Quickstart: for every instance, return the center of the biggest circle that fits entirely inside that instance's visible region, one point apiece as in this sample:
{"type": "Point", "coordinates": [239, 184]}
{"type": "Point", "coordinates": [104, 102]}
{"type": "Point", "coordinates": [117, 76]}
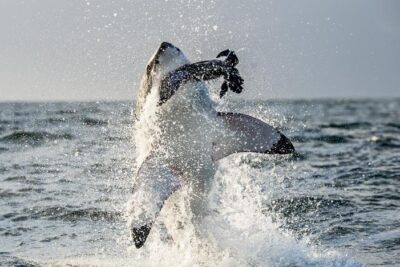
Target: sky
{"type": "Point", "coordinates": [54, 50]}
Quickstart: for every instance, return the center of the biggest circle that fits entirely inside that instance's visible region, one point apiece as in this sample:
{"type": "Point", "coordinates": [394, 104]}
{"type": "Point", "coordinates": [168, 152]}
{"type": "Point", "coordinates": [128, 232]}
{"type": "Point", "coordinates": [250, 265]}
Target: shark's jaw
{"type": "Point", "coordinates": [165, 59]}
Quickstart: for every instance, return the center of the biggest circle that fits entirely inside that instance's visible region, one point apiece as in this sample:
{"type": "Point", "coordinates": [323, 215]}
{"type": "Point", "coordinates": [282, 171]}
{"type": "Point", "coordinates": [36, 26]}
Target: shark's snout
{"type": "Point", "coordinates": [165, 45]}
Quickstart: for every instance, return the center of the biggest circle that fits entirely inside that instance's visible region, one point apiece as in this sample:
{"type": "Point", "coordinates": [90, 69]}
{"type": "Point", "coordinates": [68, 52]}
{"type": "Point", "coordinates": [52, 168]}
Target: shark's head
{"type": "Point", "coordinates": [166, 59]}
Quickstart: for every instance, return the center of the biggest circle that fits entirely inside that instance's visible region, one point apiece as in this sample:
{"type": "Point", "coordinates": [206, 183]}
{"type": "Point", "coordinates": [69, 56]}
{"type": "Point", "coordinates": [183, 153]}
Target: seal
{"type": "Point", "coordinates": [180, 136]}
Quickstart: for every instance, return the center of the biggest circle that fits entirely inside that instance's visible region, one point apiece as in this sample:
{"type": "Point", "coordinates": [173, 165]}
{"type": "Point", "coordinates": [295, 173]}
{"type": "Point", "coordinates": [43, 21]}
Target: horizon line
{"type": "Point", "coordinates": [233, 99]}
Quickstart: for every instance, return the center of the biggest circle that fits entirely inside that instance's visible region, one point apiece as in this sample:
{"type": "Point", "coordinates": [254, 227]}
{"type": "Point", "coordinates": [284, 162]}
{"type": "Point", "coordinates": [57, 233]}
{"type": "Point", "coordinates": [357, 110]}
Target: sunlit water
{"type": "Point", "coordinates": [66, 171]}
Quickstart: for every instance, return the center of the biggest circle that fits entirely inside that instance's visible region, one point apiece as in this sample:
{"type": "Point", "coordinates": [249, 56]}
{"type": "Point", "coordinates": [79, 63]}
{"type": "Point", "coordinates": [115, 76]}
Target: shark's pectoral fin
{"type": "Point", "coordinates": [139, 234]}
{"type": "Point", "coordinates": [154, 183]}
{"type": "Point", "coordinates": [248, 134]}
{"type": "Point", "coordinates": [283, 146]}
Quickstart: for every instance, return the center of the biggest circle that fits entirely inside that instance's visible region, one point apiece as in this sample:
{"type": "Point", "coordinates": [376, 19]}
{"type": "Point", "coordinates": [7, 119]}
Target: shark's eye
{"type": "Point", "coordinates": [157, 62]}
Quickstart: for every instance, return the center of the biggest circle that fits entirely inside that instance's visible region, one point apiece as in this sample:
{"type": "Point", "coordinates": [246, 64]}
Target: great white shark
{"type": "Point", "coordinates": [180, 136]}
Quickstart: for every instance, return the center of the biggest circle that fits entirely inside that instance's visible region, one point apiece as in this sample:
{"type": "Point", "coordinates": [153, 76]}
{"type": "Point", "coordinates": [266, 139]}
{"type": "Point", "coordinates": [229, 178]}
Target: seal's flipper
{"type": "Point", "coordinates": [231, 58]}
{"type": "Point", "coordinates": [155, 182]}
{"type": "Point", "coordinates": [224, 89]}
{"type": "Point", "coordinates": [248, 134]}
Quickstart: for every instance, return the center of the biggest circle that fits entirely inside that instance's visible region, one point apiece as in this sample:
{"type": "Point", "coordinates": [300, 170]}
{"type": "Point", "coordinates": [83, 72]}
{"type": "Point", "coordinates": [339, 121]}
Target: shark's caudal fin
{"type": "Point", "coordinates": [154, 183]}
{"type": "Point", "coordinates": [248, 134]}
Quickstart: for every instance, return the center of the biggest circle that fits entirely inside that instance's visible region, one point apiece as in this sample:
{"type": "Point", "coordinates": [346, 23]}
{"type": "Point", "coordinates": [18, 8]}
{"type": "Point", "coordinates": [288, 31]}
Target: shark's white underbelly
{"type": "Point", "coordinates": [187, 124]}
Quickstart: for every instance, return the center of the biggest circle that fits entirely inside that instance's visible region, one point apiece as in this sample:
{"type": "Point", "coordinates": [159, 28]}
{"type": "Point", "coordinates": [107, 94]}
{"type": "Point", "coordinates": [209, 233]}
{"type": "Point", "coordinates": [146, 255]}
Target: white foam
{"type": "Point", "coordinates": [235, 233]}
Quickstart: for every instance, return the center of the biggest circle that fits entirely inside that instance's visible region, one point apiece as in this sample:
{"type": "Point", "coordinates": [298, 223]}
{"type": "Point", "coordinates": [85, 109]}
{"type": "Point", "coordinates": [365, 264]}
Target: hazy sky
{"type": "Point", "coordinates": [69, 50]}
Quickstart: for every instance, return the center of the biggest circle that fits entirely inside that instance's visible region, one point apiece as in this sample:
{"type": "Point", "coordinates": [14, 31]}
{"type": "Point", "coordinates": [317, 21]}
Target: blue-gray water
{"type": "Point", "coordinates": [66, 170]}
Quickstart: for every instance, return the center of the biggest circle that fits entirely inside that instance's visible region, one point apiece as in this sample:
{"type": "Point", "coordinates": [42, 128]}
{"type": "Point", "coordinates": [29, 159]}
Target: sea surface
{"type": "Point", "coordinates": [66, 172]}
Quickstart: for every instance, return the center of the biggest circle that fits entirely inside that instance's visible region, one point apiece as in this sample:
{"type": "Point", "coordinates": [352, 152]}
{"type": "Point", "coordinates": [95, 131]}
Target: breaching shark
{"type": "Point", "coordinates": [180, 136]}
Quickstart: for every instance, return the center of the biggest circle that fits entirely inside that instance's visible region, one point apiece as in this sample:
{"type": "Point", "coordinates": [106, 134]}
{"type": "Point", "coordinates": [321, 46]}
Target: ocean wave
{"type": "Point", "coordinates": [7, 193]}
{"type": "Point", "coordinates": [11, 261]}
{"type": "Point", "coordinates": [33, 137]}
{"type": "Point", "coordinates": [301, 205]}
{"type": "Point", "coordinates": [83, 120]}
{"type": "Point", "coordinates": [347, 126]}
{"type": "Point", "coordinates": [93, 122]}
{"type": "Point", "coordinates": [7, 122]}
{"type": "Point", "coordinates": [385, 142]}
{"type": "Point", "coordinates": [57, 120]}
{"type": "Point", "coordinates": [391, 244]}
{"type": "Point", "coordinates": [31, 189]}
{"type": "Point", "coordinates": [65, 111]}
{"type": "Point", "coordinates": [15, 179]}
{"type": "Point", "coordinates": [8, 215]}
{"type": "Point", "coordinates": [393, 125]}
{"type": "Point", "coordinates": [72, 214]}
{"type": "Point", "coordinates": [337, 230]}
{"type": "Point", "coordinates": [330, 139]}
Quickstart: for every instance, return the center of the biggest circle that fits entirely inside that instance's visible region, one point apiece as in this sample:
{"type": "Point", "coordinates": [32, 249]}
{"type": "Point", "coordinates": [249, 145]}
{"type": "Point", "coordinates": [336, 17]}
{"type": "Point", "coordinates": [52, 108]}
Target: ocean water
{"type": "Point", "coordinates": [66, 172]}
